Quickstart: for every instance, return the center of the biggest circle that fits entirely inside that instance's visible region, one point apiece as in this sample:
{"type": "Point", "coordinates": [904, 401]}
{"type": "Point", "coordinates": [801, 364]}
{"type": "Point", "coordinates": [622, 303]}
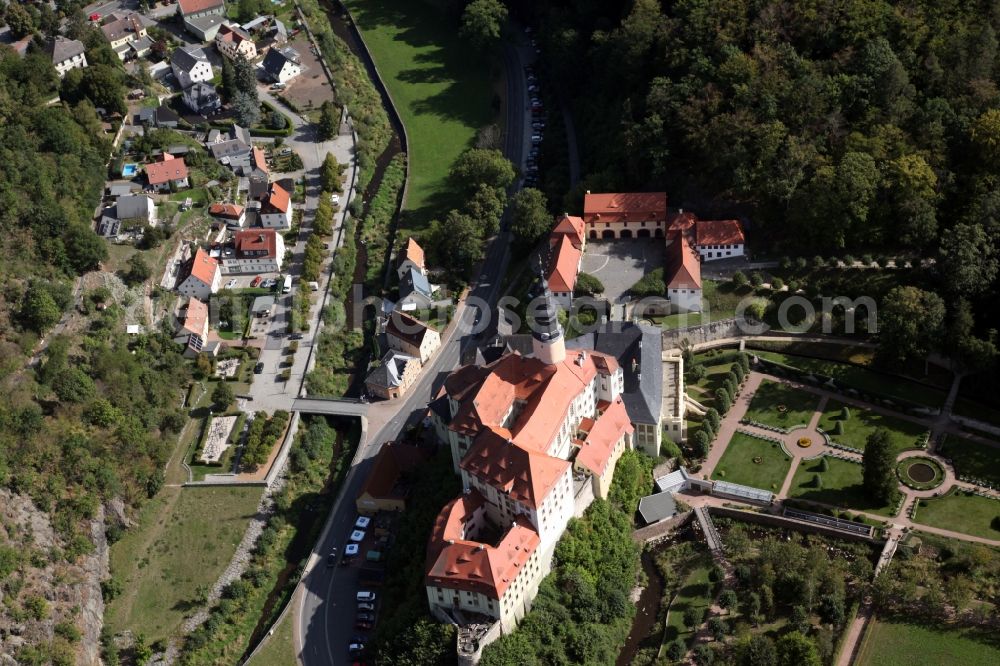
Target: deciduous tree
{"type": "Point", "coordinates": [482, 21]}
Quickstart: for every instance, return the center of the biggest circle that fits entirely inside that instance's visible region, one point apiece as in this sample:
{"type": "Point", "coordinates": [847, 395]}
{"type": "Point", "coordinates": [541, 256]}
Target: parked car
{"type": "Point", "coordinates": [231, 284]}
{"type": "Point", "coordinates": [331, 559]}
{"type": "Point", "coordinates": [295, 336]}
{"type": "Point", "coordinates": [278, 86]}
{"type": "Point", "coordinates": [365, 606]}
{"type": "Point", "coordinates": [254, 282]}
{"type": "Point", "coordinates": [95, 17]}
{"type": "Point", "coordinates": [365, 595]}
{"type": "Point", "coordinates": [357, 535]}
{"type": "Point", "coordinates": [536, 138]}
{"type": "Point", "coordinates": [363, 625]}
{"type": "Point", "coordinates": [335, 199]}
{"type": "Point", "coordinates": [355, 649]}
{"type": "Point", "coordinates": [258, 369]}
{"type": "Point", "coordinates": [362, 522]}
{"type": "Point", "coordinates": [268, 283]}
{"type": "Point", "coordinates": [365, 617]}
{"type": "Point", "coordinates": [351, 549]}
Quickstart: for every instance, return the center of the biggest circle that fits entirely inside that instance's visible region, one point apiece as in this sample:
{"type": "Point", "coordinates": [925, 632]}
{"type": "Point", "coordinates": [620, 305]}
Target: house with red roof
{"type": "Point", "coordinates": [276, 208]}
{"type": "Point", "coordinates": [232, 215]}
{"type": "Point", "coordinates": [615, 215]}
{"type": "Point", "coordinates": [412, 257]}
{"type": "Point", "coordinates": [535, 439]}
{"type": "Point", "coordinates": [409, 335]}
{"type": "Point", "coordinates": [168, 171]}
{"type": "Point", "coordinates": [683, 274]}
{"type": "Point", "coordinates": [719, 239]}
{"type": "Point", "coordinates": [234, 42]}
{"type": "Point", "coordinates": [564, 267]}
{"type": "Point", "coordinates": [254, 251]}
{"type": "Point", "coordinates": [201, 276]}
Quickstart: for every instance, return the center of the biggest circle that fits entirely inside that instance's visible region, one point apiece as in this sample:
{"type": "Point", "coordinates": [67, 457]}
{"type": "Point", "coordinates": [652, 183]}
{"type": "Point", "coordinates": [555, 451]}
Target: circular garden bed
{"type": "Point", "coordinates": [920, 473]}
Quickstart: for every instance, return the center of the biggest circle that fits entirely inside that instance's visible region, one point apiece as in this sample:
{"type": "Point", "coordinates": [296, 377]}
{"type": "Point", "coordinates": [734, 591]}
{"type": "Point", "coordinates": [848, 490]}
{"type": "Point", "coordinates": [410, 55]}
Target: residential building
{"type": "Point", "coordinates": [190, 65]}
{"type": "Point", "coordinates": [282, 65]}
{"type": "Point", "coordinates": [139, 48]}
{"type": "Point", "coordinates": [67, 54]}
{"type": "Point", "coordinates": [411, 336]}
{"type": "Point", "coordinates": [202, 18]}
{"type": "Point", "coordinates": [412, 257]}
{"type": "Point", "coordinates": [564, 267]}
{"type": "Point", "coordinates": [535, 440]}
{"type": "Point", "coordinates": [258, 174]}
{"type": "Point", "coordinates": [625, 215]}
{"type": "Point", "coordinates": [120, 31]}
{"type": "Point", "coordinates": [202, 98]}
{"type": "Point", "coordinates": [268, 31]}
{"type": "Point", "coordinates": [394, 374]}
{"type": "Point", "coordinates": [234, 144]}
{"type": "Point", "coordinates": [719, 239]}
{"type": "Point", "coordinates": [234, 42]}
{"type": "Point", "coordinates": [276, 208]}
{"type": "Point", "coordinates": [161, 116]}
{"type": "Point", "coordinates": [201, 276]}
{"type": "Point", "coordinates": [683, 274]}
{"type": "Point", "coordinates": [168, 172]}
{"type": "Point", "coordinates": [649, 392]}
{"type": "Point", "coordinates": [138, 207]}
{"type": "Point", "coordinates": [194, 321]}
{"type": "Point", "coordinates": [571, 227]}
{"type": "Point", "coordinates": [254, 251]}
{"type": "Point", "coordinates": [415, 291]}
{"type": "Point", "coordinates": [232, 215]}
{"type": "Point", "coordinates": [387, 487]}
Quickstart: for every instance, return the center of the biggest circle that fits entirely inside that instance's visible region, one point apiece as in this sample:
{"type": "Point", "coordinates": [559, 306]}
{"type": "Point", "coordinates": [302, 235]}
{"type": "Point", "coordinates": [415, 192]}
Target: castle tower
{"type": "Point", "coordinates": [547, 341]}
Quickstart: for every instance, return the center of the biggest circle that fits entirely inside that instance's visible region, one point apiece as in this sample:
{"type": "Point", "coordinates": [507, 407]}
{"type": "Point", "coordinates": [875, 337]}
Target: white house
{"type": "Point", "coordinates": [135, 207]}
{"type": "Point", "coordinates": [412, 257]}
{"type": "Point", "coordinates": [232, 215]}
{"type": "Point", "coordinates": [719, 239]}
{"type": "Point", "coordinates": [683, 274]}
{"type": "Point", "coordinates": [411, 336]}
{"type": "Point", "coordinates": [67, 54]}
{"type": "Point", "coordinates": [202, 98]}
{"type": "Point", "coordinates": [282, 65]}
{"type": "Point", "coordinates": [234, 42]}
{"type": "Point", "coordinates": [168, 171]}
{"type": "Point", "coordinates": [201, 277]}
{"type": "Point", "coordinates": [121, 31]}
{"type": "Point", "coordinates": [276, 208]}
{"type": "Point", "coordinates": [190, 66]}
{"type": "Point", "coordinates": [254, 251]}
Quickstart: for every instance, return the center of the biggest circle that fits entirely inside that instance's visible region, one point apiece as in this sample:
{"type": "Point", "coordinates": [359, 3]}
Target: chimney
{"type": "Point", "coordinates": [451, 542]}
{"type": "Point", "coordinates": [680, 211]}
{"type": "Point", "coordinates": [588, 191]}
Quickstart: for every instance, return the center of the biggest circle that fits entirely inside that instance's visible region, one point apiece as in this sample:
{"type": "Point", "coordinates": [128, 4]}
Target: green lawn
{"type": "Point", "coordinates": [972, 459]}
{"type": "Point", "coordinates": [737, 464]}
{"type": "Point", "coordinates": [841, 486]}
{"type": "Point", "coordinates": [888, 643]}
{"type": "Point", "coordinates": [863, 422]}
{"type": "Point", "coordinates": [969, 514]}
{"type": "Point", "coordinates": [442, 90]}
{"type": "Point", "coordinates": [703, 390]}
{"type": "Point", "coordinates": [864, 379]}
{"type": "Point", "coordinates": [184, 540]}
{"type": "Point", "coordinates": [695, 591]}
{"type": "Point", "coordinates": [280, 650]}
{"type": "Point", "coordinates": [976, 410]}
{"type": "Point", "coordinates": [799, 405]}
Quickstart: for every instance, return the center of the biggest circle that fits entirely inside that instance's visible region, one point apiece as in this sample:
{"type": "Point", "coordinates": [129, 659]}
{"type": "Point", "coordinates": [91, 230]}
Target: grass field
{"type": "Point", "coordinates": [695, 591]}
{"type": "Point", "coordinates": [863, 422]}
{"type": "Point", "coordinates": [440, 87]}
{"type": "Point", "coordinates": [737, 464]}
{"type": "Point", "coordinates": [280, 649]}
{"type": "Point", "coordinates": [864, 379]}
{"type": "Point", "coordinates": [841, 486]}
{"type": "Point", "coordinates": [897, 644]}
{"type": "Point", "coordinates": [799, 405]}
{"type": "Point", "coordinates": [969, 514]}
{"type": "Point", "coordinates": [719, 300]}
{"type": "Point", "coordinates": [185, 538]}
{"type": "Point", "coordinates": [972, 459]}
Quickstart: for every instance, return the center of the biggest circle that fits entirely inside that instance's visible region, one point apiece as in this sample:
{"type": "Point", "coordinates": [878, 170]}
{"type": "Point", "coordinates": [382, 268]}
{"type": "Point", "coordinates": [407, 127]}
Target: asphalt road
{"type": "Point", "coordinates": [327, 605]}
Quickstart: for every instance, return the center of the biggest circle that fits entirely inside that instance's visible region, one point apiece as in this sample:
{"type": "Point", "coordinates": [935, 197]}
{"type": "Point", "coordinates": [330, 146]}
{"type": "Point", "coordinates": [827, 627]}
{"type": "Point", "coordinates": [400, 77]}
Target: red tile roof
{"type": "Point", "coordinates": [195, 317]}
{"type": "Point", "coordinates": [226, 210]}
{"type": "Point", "coordinates": [602, 436]}
{"type": "Point", "coordinates": [394, 459]}
{"type": "Point", "coordinates": [256, 243]}
{"type": "Point", "coordinates": [681, 221]}
{"type": "Point", "coordinates": [193, 6]}
{"type": "Point", "coordinates": [455, 561]}
{"type": "Point", "coordinates": [414, 253]}
{"type": "Point", "coordinates": [203, 266]}
{"type": "Point", "coordinates": [683, 264]}
{"type": "Point", "coordinates": [167, 169]}
{"type": "Point", "coordinates": [408, 329]}
{"type": "Point", "coordinates": [258, 159]}
{"type": "Point", "coordinates": [522, 474]}
{"type": "Point", "coordinates": [718, 232]}
{"type": "Point", "coordinates": [564, 266]}
{"type": "Point", "coordinates": [276, 200]}
{"type": "Point", "coordinates": [571, 226]}
{"type": "Point", "coordinates": [620, 206]}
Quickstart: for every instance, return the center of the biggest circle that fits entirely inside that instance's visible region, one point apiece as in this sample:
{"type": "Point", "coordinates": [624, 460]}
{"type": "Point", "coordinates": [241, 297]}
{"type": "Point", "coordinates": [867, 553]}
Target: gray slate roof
{"type": "Point", "coordinates": [186, 59]}
{"type": "Point", "coordinates": [654, 508]}
{"type": "Point", "coordinates": [63, 49]}
{"type": "Point", "coordinates": [276, 59]}
{"type": "Point", "coordinates": [414, 280]}
{"type": "Point", "coordinates": [639, 350]}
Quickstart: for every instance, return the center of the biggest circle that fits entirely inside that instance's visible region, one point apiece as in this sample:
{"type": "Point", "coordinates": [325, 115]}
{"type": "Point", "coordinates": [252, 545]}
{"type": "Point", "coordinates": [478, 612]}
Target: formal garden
{"type": "Point", "coordinates": [752, 461]}
{"type": "Point", "coordinates": [851, 426]}
{"type": "Point", "coordinates": [920, 473]}
{"type": "Point", "coordinates": [961, 511]}
{"type": "Point", "coordinates": [781, 406]}
{"type": "Point", "coordinates": [972, 460]}
{"type": "Point", "coordinates": [836, 482]}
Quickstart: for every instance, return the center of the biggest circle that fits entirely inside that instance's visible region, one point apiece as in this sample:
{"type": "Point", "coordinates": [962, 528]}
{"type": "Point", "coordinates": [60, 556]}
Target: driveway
{"type": "Point", "coordinates": [619, 264]}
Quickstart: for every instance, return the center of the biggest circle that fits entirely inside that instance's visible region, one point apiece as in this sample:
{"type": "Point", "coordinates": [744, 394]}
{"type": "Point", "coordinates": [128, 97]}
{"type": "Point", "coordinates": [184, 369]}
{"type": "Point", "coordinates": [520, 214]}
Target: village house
{"type": "Point", "coordinates": [282, 65]}
{"type": "Point", "coordinates": [415, 291]}
{"type": "Point", "coordinates": [194, 321]}
{"type": "Point", "coordinates": [411, 336]}
{"type": "Point", "coordinates": [412, 258]}
{"type": "Point", "coordinates": [625, 215]}
{"type": "Point", "coordinates": [276, 208]}
{"type": "Point", "coordinates": [388, 484]}
{"type": "Point", "coordinates": [535, 439]}
{"type": "Point", "coordinates": [232, 215]}
{"type": "Point", "coordinates": [190, 66]}
{"type": "Point", "coordinates": [394, 374]}
{"type": "Point", "coordinates": [683, 274]}
{"type": "Point", "coordinates": [254, 251]}
{"type": "Point", "coordinates": [232, 144]}
{"type": "Point", "coordinates": [67, 54]}
{"type": "Point", "coordinates": [202, 98]}
{"type": "Point", "coordinates": [131, 207]}
{"type": "Point", "coordinates": [120, 31]}
{"type": "Point", "coordinates": [201, 276]}
{"type": "Point", "coordinates": [234, 42]}
{"type": "Point", "coordinates": [202, 18]}
{"type": "Point", "coordinates": [168, 172]}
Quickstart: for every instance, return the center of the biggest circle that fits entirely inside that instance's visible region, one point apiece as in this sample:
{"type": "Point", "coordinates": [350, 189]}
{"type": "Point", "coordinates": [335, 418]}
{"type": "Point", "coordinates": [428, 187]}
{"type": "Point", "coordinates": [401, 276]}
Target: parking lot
{"type": "Point", "coordinates": [619, 264]}
{"type": "Point", "coordinates": [310, 88]}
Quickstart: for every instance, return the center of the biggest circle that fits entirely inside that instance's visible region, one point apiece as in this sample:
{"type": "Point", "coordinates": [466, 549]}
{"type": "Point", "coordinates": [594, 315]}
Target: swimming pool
{"type": "Point", "coordinates": [130, 169]}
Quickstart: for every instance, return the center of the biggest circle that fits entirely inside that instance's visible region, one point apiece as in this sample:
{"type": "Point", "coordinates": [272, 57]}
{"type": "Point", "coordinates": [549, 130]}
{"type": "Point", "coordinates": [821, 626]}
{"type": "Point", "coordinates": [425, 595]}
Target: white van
{"type": "Point", "coordinates": [314, 286]}
{"type": "Point", "coordinates": [286, 286]}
